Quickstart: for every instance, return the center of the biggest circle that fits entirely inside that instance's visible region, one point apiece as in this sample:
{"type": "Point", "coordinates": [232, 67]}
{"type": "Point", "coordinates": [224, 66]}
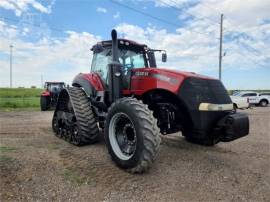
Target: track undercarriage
{"type": "Point", "coordinates": [73, 119]}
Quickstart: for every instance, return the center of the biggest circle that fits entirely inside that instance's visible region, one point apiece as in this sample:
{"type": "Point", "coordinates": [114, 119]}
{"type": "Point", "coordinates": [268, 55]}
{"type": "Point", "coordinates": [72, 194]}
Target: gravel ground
{"type": "Point", "coordinates": [37, 166]}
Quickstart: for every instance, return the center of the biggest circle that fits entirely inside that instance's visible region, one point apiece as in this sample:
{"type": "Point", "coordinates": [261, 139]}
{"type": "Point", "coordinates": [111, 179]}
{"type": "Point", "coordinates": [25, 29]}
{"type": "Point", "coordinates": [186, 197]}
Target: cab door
{"type": "Point", "coordinates": [130, 60]}
{"type": "Point", "coordinates": [100, 63]}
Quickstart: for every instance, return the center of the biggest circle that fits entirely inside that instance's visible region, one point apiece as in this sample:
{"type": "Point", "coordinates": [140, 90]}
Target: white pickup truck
{"type": "Point", "coordinates": [254, 98]}
{"type": "Point", "coordinates": [239, 102]}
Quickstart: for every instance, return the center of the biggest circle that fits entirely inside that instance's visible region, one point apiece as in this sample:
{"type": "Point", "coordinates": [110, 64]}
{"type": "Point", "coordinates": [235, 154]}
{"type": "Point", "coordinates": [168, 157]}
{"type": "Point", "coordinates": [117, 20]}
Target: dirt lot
{"type": "Point", "coordinates": [35, 165]}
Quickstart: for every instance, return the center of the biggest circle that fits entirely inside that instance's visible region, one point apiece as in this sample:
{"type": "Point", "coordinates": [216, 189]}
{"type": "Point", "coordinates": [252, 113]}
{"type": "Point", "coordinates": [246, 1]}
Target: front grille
{"type": "Point", "coordinates": [194, 91]}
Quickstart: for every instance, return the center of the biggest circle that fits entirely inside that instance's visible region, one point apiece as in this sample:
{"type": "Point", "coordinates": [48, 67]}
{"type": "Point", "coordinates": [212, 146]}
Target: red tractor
{"type": "Point", "coordinates": [49, 96]}
{"type": "Point", "coordinates": [133, 102]}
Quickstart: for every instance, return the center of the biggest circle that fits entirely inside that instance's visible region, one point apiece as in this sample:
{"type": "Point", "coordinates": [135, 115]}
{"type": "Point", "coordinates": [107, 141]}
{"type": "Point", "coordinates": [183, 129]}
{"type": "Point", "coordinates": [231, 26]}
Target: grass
{"type": "Point", "coordinates": [5, 160]}
{"type": "Point", "coordinates": [4, 149]}
{"type": "Point", "coordinates": [19, 92]}
{"type": "Point", "coordinates": [28, 102]}
{"type": "Point", "coordinates": [18, 98]}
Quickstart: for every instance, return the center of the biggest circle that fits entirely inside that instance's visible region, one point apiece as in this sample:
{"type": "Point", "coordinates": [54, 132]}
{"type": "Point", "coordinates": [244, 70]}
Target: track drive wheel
{"type": "Point", "coordinates": [73, 118]}
{"type": "Point", "coordinates": [132, 135]}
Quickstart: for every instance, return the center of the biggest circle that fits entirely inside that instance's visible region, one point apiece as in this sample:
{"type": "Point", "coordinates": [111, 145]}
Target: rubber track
{"type": "Point", "coordinates": [85, 120]}
{"type": "Point", "coordinates": [150, 131]}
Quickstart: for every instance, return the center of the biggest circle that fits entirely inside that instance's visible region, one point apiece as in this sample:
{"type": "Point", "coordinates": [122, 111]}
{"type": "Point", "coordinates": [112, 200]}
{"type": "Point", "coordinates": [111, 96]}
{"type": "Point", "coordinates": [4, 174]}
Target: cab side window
{"type": "Point", "coordinates": [249, 95]}
{"type": "Point", "coordinates": [100, 62]}
{"type": "Point", "coordinates": [267, 94]}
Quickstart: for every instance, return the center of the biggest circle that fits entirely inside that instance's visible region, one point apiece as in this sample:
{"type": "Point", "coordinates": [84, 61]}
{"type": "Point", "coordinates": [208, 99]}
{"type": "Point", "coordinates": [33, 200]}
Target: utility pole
{"type": "Point", "coordinates": [10, 46]}
{"type": "Point", "coordinates": [220, 46]}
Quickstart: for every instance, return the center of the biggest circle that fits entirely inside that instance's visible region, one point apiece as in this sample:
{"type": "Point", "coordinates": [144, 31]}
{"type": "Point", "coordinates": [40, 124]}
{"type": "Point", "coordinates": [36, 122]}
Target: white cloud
{"type": "Point", "coordinates": [62, 59]}
{"type": "Point", "coordinates": [116, 16]}
{"type": "Point", "coordinates": [101, 10]}
{"type": "Point", "coordinates": [237, 13]}
{"type": "Point", "coordinates": [246, 25]}
{"type": "Point", "coordinates": [191, 51]}
{"type": "Point", "coordinates": [168, 3]}
{"type": "Point", "coordinates": [20, 6]}
{"type": "Point", "coordinates": [57, 59]}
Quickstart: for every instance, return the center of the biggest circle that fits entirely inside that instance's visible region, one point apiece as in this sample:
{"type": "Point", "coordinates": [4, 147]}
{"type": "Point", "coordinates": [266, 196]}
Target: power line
{"type": "Point", "coordinates": [248, 58]}
{"type": "Point", "coordinates": [156, 18]}
{"type": "Point", "coordinates": [255, 52]}
{"type": "Point", "coordinates": [210, 7]}
{"type": "Point", "coordinates": [199, 18]}
{"type": "Point", "coordinates": [32, 24]}
{"type": "Point", "coordinates": [226, 30]}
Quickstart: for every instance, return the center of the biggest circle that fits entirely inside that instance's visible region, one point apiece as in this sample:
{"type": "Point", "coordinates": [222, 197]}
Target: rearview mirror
{"type": "Point", "coordinates": [98, 48]}
{"type": "Point", "coordinates": [164, 57]}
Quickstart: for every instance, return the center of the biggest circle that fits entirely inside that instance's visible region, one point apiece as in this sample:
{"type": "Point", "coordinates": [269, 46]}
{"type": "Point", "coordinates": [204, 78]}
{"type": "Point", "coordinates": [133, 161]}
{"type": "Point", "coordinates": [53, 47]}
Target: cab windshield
{"type": "Point", "coordinates": [129, 59]}
{"type": "Point", "coordinates": [54, 87]}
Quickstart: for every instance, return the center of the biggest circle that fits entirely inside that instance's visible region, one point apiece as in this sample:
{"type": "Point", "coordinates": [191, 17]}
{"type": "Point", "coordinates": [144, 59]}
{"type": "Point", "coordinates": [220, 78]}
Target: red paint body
{"type": "Point", "coordinates": [95, 80]}
{"type": "Point", "coordinates": [143, 84]}
{"type": "Point", "coordinates": [45, 93]}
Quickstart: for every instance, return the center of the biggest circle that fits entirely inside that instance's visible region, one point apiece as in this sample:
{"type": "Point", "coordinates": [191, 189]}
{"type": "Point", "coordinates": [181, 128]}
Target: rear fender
{"type": "Point", "coordinates": [91, 83]}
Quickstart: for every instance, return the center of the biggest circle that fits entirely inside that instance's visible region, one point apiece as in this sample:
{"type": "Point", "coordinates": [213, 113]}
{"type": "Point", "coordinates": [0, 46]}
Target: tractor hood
{"type": "Point", "coordinates": [177, 73]}
{"type": "Point", "coordinates": [146, 79]}
{"type": "Point", "coordinates": [173, 76]}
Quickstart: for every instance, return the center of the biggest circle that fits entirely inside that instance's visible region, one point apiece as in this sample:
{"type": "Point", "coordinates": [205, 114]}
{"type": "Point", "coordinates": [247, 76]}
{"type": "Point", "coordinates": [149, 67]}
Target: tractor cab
{"type": "Point", "coordinates": [54, 87]}
{"type": "Point", "coordinates": [49, 96]}
{"type": "Point", "coordinates": [131, 55]}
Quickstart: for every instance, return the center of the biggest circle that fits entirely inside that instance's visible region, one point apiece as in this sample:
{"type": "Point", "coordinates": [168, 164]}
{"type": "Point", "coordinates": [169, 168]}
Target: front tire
{"type": "Point", "coordinates": [263, 103]}
{"type": "Point", "coordinates": [235, 107]}
{"type": "Point", "coordinates": [44, 103]}
{"type": "Point", "coordinates": [132, 135]}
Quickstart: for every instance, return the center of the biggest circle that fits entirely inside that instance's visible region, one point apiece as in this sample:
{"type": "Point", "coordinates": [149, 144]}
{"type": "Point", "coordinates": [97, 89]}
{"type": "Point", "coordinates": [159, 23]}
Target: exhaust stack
{"type": "Point", "coordinates": [115, 73]}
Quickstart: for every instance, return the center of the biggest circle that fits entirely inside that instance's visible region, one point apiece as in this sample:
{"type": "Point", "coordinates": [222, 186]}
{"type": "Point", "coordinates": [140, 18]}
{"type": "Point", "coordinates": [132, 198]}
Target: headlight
{"type": "Point", "coordinates": [215, 107]}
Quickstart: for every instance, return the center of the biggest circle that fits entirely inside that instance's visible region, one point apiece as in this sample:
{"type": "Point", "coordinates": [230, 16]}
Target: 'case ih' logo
{"type": "Point", "coordinates": [141, 73]}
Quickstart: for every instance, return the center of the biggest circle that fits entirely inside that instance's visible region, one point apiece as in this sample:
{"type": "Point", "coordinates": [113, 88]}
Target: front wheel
{"type": "Point", "coordinates": [132, 135]}
{"type": "Point", "coordinates": [235, 107]}
{"type": "Point", "coordinates": [263, 103]}
{"type": "Point", "coordinates": [44, 103]}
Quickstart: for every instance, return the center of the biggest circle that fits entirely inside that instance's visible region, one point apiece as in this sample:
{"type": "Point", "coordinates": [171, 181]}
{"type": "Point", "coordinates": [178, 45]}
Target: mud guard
{"type": "Point", "coordinates": [81, 81]}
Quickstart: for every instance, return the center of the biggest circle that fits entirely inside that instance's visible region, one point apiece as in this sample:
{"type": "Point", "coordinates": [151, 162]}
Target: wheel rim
{"type": "Point", "coordinates": [122, 136]}
{"type": "Point", "coordinates": [264, 103]}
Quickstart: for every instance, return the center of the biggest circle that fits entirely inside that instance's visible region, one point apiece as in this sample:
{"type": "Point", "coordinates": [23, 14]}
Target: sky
{"type": "Point", "coordinates": [51, 39]}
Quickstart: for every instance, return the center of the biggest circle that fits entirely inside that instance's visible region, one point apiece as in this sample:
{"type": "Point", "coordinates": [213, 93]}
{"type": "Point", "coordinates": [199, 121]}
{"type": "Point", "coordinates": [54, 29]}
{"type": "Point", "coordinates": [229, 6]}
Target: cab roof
{"type": "Point", "coordinates": [121, 42]}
